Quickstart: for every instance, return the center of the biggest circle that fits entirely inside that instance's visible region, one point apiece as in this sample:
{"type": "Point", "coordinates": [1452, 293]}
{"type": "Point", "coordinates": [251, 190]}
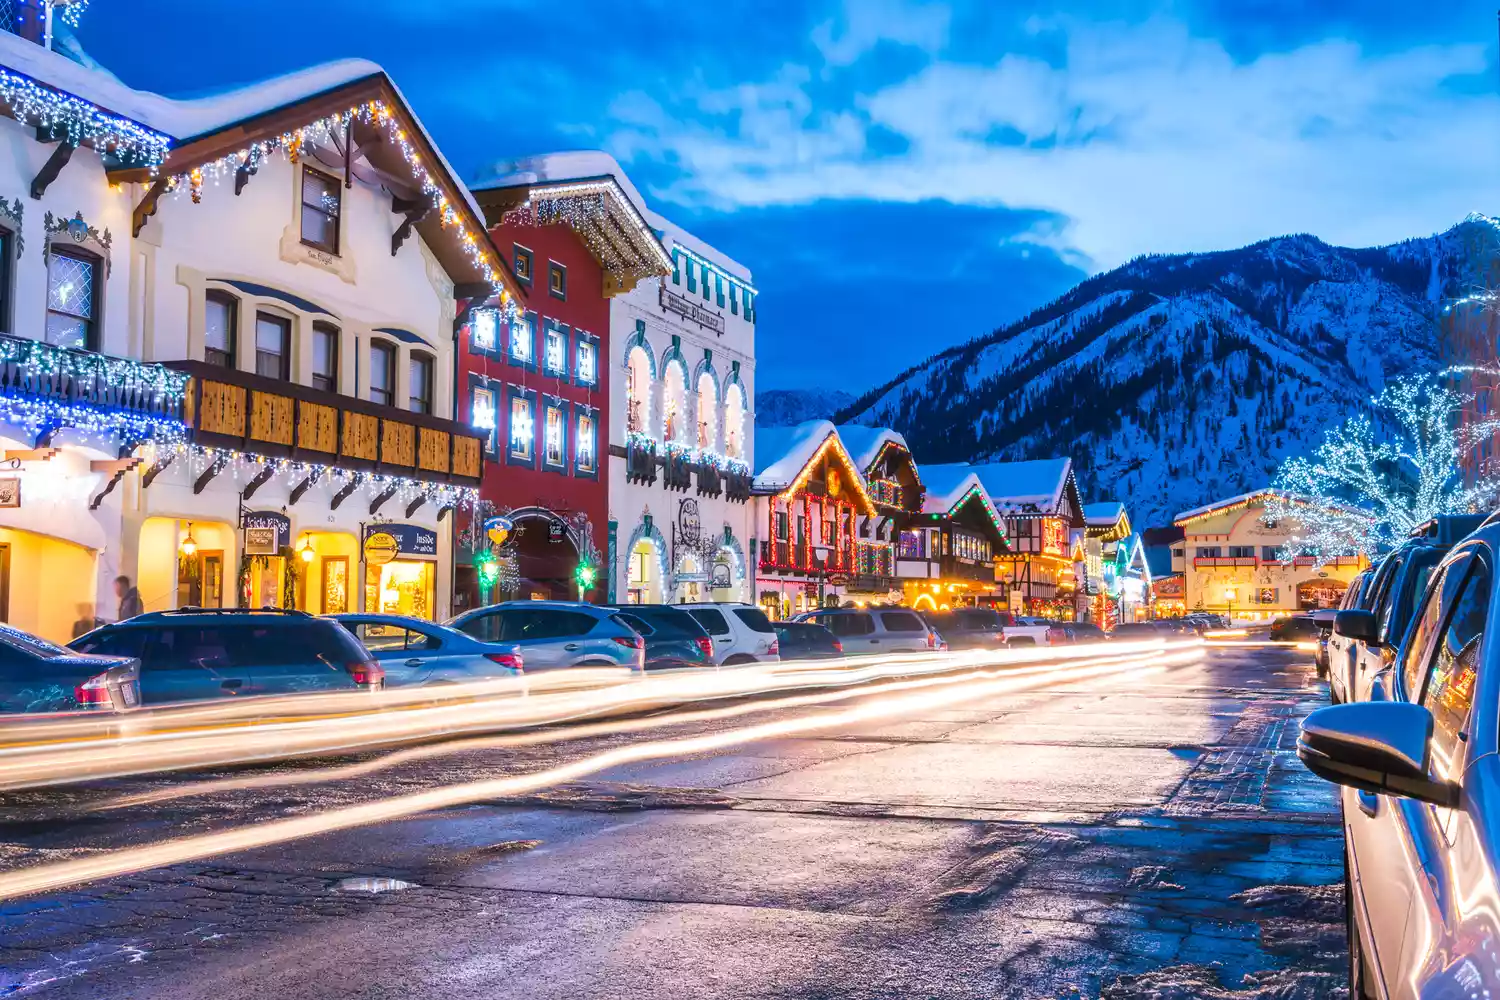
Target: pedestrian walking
{"type": "Point", "coordinates": [130, 598]}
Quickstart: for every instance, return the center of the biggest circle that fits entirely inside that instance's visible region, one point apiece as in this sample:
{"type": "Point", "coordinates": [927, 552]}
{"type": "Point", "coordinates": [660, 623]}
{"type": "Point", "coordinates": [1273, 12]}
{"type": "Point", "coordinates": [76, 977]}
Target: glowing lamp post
{"type": "Point", "coordinates": [1229, 596]}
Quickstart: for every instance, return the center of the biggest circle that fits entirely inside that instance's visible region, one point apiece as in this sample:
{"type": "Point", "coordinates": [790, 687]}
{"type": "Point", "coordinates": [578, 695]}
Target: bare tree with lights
{"type": "Point", "coordinates": [1383, 473]}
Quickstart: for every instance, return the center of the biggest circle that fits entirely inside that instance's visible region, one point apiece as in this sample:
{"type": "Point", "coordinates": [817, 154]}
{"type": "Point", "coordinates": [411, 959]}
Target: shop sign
{"type": "Point", "coordinates": [691, 311]}
{"type": "Point", "coordinates": [400, 540]}
{"type": "Point", "coordinates": [1170, 586]}
{"type": "Point", "coordinates": [556, 531]}
{"type": "Point", "coordinates": [266, 532]}
{"type": "Point", "coordinates": [838, 580]}
{"type": "Point", "coordinates": [10, 492]}
{"type": "Point", "coordinates": [720, 576]}
{"type": "Point", "coordinates": [498, 529]}
{"type": "Point", "coordinates": [1266, 595]}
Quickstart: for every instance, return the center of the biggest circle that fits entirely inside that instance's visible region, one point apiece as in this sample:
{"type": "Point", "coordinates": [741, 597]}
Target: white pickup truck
{"type": "Point", "coordinates": [1021, 630]}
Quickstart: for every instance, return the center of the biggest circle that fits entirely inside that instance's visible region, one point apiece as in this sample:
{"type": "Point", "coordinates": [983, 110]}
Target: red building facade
{"type": "Point", "coordinates": [535, 383]}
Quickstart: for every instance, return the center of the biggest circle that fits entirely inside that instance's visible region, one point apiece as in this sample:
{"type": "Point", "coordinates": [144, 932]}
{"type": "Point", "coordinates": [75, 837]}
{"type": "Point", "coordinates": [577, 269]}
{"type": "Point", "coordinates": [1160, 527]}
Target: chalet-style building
{"type": "Point", "coordinates": [540, 386]}
{"type": "Point", "coordinates": [1039, 501]}
{"type": "Point", "coordinates": [809, 494]}
{"type": "Point", "coordinates": [228, 367]}
{"type": "Point", "coordinates": [1106, 525]}
{"type": "Point", "coordinates": [948, 556]}
{"type": "Point", "coordinates": [896, 490]}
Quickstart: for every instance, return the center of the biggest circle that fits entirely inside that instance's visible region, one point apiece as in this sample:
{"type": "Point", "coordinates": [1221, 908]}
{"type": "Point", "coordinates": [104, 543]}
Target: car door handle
{"type": "Point", "coordinates": [1369, 803]}
{"type": "Point", "coordinates": [231, 685]}
{"type": "Point", "coordinates": [572, 647]}
{"type": "Point", "coordinates": [874, 640]}
{"type": "Point", "coordinates": [415, 663]}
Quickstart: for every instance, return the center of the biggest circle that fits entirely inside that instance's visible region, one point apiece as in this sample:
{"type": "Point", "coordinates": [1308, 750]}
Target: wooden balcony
{"type": "Point", "coordinates": [640, 461]}
{"type": "Point", "coordinates": [34, 370]}
{"type": "Point", "coordinates": [710, 479]}
{"type": "Point", "coordinates": [677, 471]}
{"type": "Point", "coordinates": [240, 410]}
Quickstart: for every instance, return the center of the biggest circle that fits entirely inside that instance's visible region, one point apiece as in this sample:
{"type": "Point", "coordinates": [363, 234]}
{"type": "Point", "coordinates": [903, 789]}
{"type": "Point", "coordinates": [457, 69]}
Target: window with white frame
{"type": "Point", "coordinates": [483, 415]}
{"type": "Point", "coordinates": [637, 391]}
{"type": "Point", "coordinates": [521, 449]}
{"type": "Point", "coordinates": [273, 346]}
{"type": "Point", "coordinates": [484, 331]}
{"type": "Point", "coordinates": [734, 421]}
{"type": "Point", "coordinates": [522, 341]}
{"type": "Point", "coordinates": [72, 299]}
{"type": "Point", "coordinates": [555, 435]}
{"type": "Point", "coordinates": [587, 361]}
{"type": "Point", "coordinates": [586, 442]}
{"type": "Point", "coordinates": [555, 351]}
{"type": "Point", "coordinates": [321, 201]}
{"type": "Point", "coordinates": [708, 401]}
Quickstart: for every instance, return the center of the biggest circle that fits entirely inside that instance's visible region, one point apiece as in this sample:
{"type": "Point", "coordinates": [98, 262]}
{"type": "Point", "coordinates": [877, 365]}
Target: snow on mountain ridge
{"type": "Point", "coordinates": [1175, 380]}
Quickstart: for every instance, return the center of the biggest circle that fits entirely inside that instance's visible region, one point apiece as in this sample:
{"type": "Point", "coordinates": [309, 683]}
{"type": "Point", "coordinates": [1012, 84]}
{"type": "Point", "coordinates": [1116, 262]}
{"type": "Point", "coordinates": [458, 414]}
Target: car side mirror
{"type": "Point", "coordinates": [1375, 746]}
{"type": "Point", "coordinates": [1360, 625]}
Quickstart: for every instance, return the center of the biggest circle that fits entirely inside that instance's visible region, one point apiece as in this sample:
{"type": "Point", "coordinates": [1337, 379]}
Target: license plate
{"type": "Point", "coordinates": [127, 691]}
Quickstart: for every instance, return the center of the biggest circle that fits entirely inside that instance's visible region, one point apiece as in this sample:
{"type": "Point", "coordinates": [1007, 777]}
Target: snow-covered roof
{"type": "Point", "coordinates": [1014, 486]}
{"type": "Point", "coordinates": [1243, 500]}
{"type": "Point", "coordinates": [1102, 514]}
{"type": "Point", "coordinates": [946, 486]}
{"type": "Point", "coordinates": [864, 443]}
{"type": "Point", "coordinates": [673, 233]}
{"type": "Point", "coordinates": [782, 452]}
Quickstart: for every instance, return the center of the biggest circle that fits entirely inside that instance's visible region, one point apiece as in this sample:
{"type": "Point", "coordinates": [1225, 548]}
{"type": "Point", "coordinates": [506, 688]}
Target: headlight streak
{"type": "Point", "coordinates": [57, 875]}
{"type": "Point", "coordinates": [551, 735]}
{"type": "Point", "coordinates": [216, 735]}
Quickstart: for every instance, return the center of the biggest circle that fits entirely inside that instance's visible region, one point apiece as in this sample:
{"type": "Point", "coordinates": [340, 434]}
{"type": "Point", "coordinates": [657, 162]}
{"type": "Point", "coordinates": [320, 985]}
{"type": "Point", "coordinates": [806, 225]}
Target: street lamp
{"type": "Point", "coordinates": [1229, 600]}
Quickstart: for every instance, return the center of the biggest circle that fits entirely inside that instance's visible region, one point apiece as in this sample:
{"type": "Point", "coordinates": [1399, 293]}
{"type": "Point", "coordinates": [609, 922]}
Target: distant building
{"type": "Point", "coordinates": [1233, 563]}
{"type": "Point", "coordinates": [1039, 501]}
{"type": "Point", "coordinates": [1165, 558]}
{"type": "Point", "coordinates": [948, 556]}
{"type": "Point", "coordinates": [896, 490]}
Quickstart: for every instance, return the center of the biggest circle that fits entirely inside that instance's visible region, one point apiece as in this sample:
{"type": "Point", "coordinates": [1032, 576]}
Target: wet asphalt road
{"type": "Point", "coordinates": [1147, 838]}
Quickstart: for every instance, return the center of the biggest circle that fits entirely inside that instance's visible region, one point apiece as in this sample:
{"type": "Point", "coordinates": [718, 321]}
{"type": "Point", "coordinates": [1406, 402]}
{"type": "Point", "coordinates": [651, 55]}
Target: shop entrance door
{"type": "Point", "coordinates": [200, 581]}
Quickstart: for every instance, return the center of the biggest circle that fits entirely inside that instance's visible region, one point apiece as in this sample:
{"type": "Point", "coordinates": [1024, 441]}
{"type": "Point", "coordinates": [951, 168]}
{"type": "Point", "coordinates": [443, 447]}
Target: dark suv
{"type": "Point", "coordinates": [199, 653]}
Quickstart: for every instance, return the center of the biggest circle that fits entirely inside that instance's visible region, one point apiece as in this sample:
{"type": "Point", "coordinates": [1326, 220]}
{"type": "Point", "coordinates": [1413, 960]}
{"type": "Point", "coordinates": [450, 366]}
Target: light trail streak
{"type": "Point", "coordinates": [57, 875]}
{"type": "Point", "coordinates": [217, 735]}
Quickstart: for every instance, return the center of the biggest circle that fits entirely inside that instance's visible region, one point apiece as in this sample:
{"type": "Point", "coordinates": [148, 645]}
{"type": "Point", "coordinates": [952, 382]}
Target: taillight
{"type": "Point", "coordinates": [932, 640]}
{"type": "Point", "coordinates": [366, 673]}
{"type": "Point", "coordinates": [706, 644]}
{"type": "Point", "coordinates": [838, 647]}
{"type": "Point", "coordinates": [94, 691]}
{"type": "Point", "coordinates": [511, 660]}
{"type": "Point", "coordinates": [631, 641]}
{"type": "Point", "coordinates": [775, 649]}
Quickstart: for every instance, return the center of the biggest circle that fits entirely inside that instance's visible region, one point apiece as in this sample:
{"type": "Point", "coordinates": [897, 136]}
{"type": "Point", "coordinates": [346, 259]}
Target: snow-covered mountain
{"type": "Point", "coordinates": [789, 407]}
{"type": "Point", "coordinates": [1177, 380]}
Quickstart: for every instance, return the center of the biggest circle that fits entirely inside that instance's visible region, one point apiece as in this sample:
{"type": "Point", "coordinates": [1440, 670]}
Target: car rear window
{"type": "Point", "coordinates": [668, 621]}
{"type": "Point", "coordinates": [711, 619]}
{"type": "Point", "coordinates": [977, 620]}
{"type": "Point", "coordinates": [755, 618]}
{"type": "Point", "coordinates": [28, 643]}
{"type": "Point", "coordinates": [901, 621]}
{"type": "Point", "coordinates": [634, 623]}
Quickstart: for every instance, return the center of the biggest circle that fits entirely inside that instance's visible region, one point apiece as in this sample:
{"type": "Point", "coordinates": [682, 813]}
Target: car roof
{"type": "Point", "coordinates": [218, 616]}
{"type": "Point", "coordinates": [548, 605]}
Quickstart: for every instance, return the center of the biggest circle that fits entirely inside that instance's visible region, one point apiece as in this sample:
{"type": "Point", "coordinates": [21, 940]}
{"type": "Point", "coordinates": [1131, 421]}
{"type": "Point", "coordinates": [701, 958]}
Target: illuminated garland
{"type": "Point", "coordinates": [94, 422]}
{"type": "Point", "coordinates": [71, 11]}
{"type": "Point", "coordinates": [584, 207]}
{"type": "Point", "coordinates": [373, 112]}
{"type": "Point", "coordinates": [80, 121]}
{"type": "Point", "coordinates": [36, 358]}
{"type": "Point", "coordinates": [235, 463]}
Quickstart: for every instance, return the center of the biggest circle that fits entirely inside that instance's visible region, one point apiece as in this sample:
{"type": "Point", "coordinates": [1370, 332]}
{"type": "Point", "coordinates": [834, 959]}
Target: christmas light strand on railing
{"type": "Point", "coordinates": [101, 425]}
{"type": "Point", "coordinates": [71, 11]}
{"type": "Point", "coordinates": [238, 465]}
{"type": "Point", "coordinates": [80, 121]}
{"type": "Point", "coordinates": [33, 357]}
{"type": "Point", "coordinates": [325, 130]}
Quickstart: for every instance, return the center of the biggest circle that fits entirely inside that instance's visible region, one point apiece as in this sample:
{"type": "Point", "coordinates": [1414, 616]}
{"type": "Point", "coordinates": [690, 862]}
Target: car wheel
{"type": "Point", "coordinates": [1359, 978]}
{"type": "Point", "coordinates": [738, 661]}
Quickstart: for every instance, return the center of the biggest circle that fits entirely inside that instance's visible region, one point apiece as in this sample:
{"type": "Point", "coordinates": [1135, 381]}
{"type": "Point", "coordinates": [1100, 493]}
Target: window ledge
{"type": "Point", "coordinates": [294, 251]}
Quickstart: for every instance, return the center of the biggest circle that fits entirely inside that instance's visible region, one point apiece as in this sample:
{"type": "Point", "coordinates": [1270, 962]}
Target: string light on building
{"type": "Point", "coordinates": [122, 376]}
{"type": "Point", "coordinates": [81, 122]}
{"type": "Point", "coordinates": [600, 214]}
{"type": "Point", "coordinates": [97, 424]}
{"type": "Point", "coordinates": [237, 465]}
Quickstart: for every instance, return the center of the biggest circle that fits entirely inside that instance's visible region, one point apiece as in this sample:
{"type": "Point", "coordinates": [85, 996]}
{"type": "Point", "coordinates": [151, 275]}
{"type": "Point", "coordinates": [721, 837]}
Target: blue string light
{"type": "Point", "coordinates": [81, 121]}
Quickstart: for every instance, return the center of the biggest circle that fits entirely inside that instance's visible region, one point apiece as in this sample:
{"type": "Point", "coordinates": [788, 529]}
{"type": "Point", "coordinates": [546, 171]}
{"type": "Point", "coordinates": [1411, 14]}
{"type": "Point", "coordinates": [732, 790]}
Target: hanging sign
{"type": "Point", "coordinates": [266, 532]}
{"type": "Point", "coordinates": [556, 531]}
{"type": "Point", "coordinates": [400, 540]}
{"type": "Point", "coordinates": [498, 529]}
{"type": "Point", "coordinates": [10, 492]}
{"type": "Point", "coordinates": [691, 311]}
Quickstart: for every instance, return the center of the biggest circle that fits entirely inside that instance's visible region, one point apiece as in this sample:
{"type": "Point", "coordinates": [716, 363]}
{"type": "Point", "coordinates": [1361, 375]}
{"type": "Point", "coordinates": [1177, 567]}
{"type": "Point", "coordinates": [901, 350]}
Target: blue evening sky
{"type": "Point", "coordinates": [902, 176]}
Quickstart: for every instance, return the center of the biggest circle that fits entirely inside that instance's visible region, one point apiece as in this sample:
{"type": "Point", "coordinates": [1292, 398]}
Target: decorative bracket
{"type": "Point", "coordinates": [301, 488]}
{"type": "Point", "coordinates": [261, 478]}
{"type": "Point", "coordinates": [444, 511]}
{"type": "Point", "coordinates": [215, 467]}
{"type": "Point", "coordinates": [31, 455]}
{"type": "Point", "coordinates": [344, 494]}
{"type": "Point", "coordinates": [147, 207]}
{"type": "Point", "coordinates": [415, 505]}
{"type": "Point", "coordinates": [115, 469]}
{"type": "Point", "coordinates": [54, 166]}
{"type": "Point", "coordinates": [472, 294]}
{"type": "Point", "coordinates": [414, 214]}
{"type": "Point", "coordinates": [46, 432]}
{"type": "Point", "coordinates": [242, 176]}
{"type": "Point", "coordinates": [381, 498]}
{"type": "Point", "coordinates": [156, 469]}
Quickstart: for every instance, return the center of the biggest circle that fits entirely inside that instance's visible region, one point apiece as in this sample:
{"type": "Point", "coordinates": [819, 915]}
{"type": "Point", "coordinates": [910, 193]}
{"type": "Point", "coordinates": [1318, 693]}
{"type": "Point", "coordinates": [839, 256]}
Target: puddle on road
{"type": "Point", "coordinates": [372, 885]}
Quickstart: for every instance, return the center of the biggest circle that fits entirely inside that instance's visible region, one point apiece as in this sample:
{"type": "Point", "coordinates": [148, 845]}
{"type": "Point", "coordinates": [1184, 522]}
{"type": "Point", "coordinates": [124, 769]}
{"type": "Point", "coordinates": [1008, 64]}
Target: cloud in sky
{"type": "Point", "coordinates": [874, 143]}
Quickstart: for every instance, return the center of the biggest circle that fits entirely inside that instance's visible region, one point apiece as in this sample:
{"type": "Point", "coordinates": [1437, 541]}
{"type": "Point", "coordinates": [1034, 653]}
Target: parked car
{"type": "Point", "coordinates": [1369, 639]}
{"type": "Point", "coordinates": [415, 653]}
{"type": "Point", "coordinates": [741, 632]}
{"type": "Point", "coordinates": [41, 676]}
{"type": "Point", "coordinates": [674, 639]}
{"type": "Point", "coordinates": [969, 628]}
{"type": "Point", "coordinates": [1419, 771]}
{"type": "Point", "coordinates": [1086, 632]}
{"type": "Point", "coordinates": [1026, 631]}
{"type": "Point", "coordinates": [551, 635]}
{"type": "Point", "coordinates": [1138, 631]}
{"type": "Point", "coordinates": [1294, 628]}
{"type": "Point", "coordinates": [807, 641]}
{"type": "Point", "coordinates": [876, 630]}
{"type": "Point", "coordinates": [200, 653]}
{"type": "Point", "coordinates": [1058, 633]}
{"type": "Point", "coordinates": [1342, 650]}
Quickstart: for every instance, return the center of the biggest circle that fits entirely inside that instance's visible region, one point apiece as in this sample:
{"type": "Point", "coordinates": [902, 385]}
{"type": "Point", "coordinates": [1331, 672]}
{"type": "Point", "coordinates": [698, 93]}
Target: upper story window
{"type": "Point", "coordinates": [221, 320]}
{"type": "Point", "coordinates": [325, 357]}
{"type": "Point", "coordinates": [587, 362]}
{"type": "Point", "coordinates": [555, 435]}
{"type": "Point", "coordinates": [484, 415]}
{"type": "Point", "coordinates": [523, 263]}
{"type": "Point", "coordinates": [72, 300]}
{"type": "Point", "coordinates": [586, 446]}
{"type": "Point", "coordinates": [484, 331]}
{"type": "Point", "coordinates": [555, 353]}
{"type": "Point", "coordinates": [421, 383]}
{"type": "Point", "coordinates": [273, 343]}
{"type": "Point", "coordinates": [557, 280]}
{"type": "Point", "coordinates": [637, 390]}
{"type": "Point", "coordinates": [321, 198]}
{"type": "Point", "coordinates": [734, 421]}
{"type": "Point", "coordinates": [7, 272]}
{"type": "Point", "coordinates": [382, 373]}
{"type": "Point", "coordinates": [523, 342]}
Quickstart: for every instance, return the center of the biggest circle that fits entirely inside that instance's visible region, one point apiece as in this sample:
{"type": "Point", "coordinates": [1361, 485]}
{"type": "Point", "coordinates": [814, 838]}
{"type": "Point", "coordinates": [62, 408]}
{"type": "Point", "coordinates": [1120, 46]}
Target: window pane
{"type": "Point", "coordinates": [320, 210]}
{"type": "Point", "coordinates": [271, 336]}
{"type": "Point", "coordinates": [421, 384]}
{"type": "Point", "coordinates": [218, 329]}
{"type": "Point", "coordinates": [325, 357]}
{"type": "Point", "coordinates": [70, 285]}
{"type": "Point", "coordinates": [382, 369]}
{"type": "Point", "coordinates": [65, 331]}
{"type": "Point", "coordinates": [1416, 645]}
{"type": "Point", "coordinates": [1450, 682]}
{"type": "Point", "coordinates": [554, 436]}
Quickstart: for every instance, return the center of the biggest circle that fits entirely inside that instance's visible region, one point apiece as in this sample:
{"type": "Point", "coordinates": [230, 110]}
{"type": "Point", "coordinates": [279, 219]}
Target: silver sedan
{"type": "Point", "coordinates": [415, 652]}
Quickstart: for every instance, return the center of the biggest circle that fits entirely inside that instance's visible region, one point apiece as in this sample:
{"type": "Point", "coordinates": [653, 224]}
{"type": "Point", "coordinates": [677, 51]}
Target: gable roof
{"type": "Point", "coordinates": [948, 486]}
{"type": "Point", "coordinates": [1221, 506]}
{"type": "Point", "coordinates": [1042, 486]}
{"type": "Point", "coordinates": [1106, 520]}
{"type": "Point", "coordinates": [782, 453]}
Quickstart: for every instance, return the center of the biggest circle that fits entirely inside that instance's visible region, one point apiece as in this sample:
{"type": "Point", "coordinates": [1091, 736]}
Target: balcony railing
{"type": "Point", "coordinates": [42, 373]}
{"type": "Point", "coordinates": [677, 471]}
{"type": "Point", "coordinates": [640, 460]}
{"type": "Point", "coordinates": [234, 409]}
{"type": "Point", "coordinates": [710, 479]}
{"type": "Point", "coordinates": [1210, 561]}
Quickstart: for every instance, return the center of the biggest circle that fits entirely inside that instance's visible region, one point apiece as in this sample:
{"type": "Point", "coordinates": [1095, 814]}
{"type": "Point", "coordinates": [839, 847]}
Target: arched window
{"type": "Point", "coordinates": [73, 298]}
{"type": "Point", "coordinates": [708, 406]}
{"type": "Point", "coordinates": [221, 320]}
{"type": "Point", "coordinates": [674, 417]}
{"type": "Point", "coordinates": [637, 391]}
{"type": "Point", "coordinates": [734, 421]}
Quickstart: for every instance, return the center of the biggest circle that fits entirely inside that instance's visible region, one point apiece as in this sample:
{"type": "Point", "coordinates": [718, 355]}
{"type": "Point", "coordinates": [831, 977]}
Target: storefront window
{"type": "Point", "coordinates": [400, 587]}
{"type": "Point", "coordinates": [913, 545]}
